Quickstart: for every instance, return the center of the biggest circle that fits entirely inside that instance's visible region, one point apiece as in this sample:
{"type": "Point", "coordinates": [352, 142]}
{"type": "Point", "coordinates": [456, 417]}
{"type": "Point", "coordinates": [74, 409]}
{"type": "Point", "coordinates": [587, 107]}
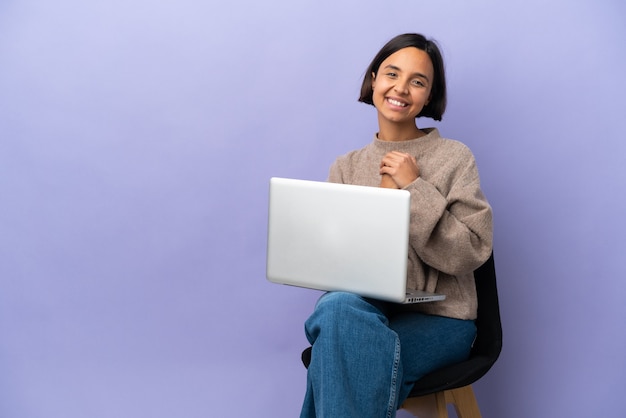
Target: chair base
{"type": "Point", "coordinates": [434, 405]}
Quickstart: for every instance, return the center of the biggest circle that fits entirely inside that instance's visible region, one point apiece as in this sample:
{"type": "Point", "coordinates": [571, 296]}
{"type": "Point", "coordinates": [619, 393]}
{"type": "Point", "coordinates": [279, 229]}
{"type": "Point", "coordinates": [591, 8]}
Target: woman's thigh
{"type": "Point", "coordinates": [429, 342]}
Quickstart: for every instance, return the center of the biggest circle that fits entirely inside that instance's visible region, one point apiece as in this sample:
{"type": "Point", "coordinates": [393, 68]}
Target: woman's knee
{"type": "Point", "coordinates": [338, 310]}
{"type": "Point", "coordinates": [334, 300]}
{"type": "Point", "coordinates": [345, 304]}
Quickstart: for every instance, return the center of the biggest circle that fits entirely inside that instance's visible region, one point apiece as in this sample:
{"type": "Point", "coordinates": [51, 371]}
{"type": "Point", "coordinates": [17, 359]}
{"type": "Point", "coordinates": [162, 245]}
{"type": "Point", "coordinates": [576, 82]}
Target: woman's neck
{"type": "Point", "coordinates": [395, 133]}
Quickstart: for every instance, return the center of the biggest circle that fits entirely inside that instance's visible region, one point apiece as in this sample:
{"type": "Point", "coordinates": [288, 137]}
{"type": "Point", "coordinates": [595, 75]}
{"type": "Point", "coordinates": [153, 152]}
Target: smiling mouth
{"type": "Point", "coordinates": [396, 102]}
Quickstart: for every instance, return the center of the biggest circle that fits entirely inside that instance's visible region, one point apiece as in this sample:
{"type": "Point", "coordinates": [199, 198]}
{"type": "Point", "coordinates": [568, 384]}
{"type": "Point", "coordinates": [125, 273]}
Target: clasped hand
{"type": "Point", "coordinates": [398, 170]}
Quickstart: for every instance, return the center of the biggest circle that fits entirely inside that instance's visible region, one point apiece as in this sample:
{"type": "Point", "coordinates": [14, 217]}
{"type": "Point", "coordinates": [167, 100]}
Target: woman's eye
{"type": "Point", "coordinates": [391, 74]}
{"type": "Point", "coordinates": [418, 83]}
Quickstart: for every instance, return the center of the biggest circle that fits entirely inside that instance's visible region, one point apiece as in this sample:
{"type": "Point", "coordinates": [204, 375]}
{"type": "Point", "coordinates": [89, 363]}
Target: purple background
{"type": "Point", "coordinates": [136, 143]}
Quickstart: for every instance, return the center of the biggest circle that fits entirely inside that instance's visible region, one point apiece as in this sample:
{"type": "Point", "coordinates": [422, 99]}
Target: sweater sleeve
{"type": "Point", "coordinates": [335, 175]}
{"type": "Point", "coordinates": [451, 222]}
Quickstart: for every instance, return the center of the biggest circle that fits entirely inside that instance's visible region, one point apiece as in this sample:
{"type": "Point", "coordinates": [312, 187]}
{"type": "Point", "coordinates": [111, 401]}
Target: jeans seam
{"type": "Point", "coordinates": [391, 408]}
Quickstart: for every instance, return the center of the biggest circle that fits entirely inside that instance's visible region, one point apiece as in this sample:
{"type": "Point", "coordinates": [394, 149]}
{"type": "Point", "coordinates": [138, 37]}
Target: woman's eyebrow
{"type": "Point", "coordinates": [417, 74]}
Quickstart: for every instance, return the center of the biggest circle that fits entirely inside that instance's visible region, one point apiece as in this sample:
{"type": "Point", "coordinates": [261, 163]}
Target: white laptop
{"type": "Point", "coordinates": [338, 237]}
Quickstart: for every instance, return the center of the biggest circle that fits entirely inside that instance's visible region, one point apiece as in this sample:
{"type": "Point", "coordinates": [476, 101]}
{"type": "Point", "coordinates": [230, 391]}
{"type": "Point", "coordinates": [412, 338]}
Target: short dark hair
{"type": "Point", "coordinates": [437, 104]}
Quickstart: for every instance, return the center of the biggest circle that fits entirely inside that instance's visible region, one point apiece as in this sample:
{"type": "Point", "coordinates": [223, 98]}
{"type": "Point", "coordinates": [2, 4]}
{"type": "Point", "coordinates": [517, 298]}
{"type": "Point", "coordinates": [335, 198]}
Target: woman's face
{"type": "Point", "coordinates": [402, 86]}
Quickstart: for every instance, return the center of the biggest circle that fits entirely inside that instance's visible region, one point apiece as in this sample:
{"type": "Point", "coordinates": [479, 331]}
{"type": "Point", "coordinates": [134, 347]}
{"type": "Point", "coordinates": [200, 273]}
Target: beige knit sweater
{"type": "Point", "coordinates": [451, 230]}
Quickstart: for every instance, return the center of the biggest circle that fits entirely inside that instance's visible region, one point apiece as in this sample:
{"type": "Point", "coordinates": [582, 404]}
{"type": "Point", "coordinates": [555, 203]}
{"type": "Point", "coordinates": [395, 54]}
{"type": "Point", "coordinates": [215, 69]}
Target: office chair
{"type": "Point", "coordinates": [452, 384]}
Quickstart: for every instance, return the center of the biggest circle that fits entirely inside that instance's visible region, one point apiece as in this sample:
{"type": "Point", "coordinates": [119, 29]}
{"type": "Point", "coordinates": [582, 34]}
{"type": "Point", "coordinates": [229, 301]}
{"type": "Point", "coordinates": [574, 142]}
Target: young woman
{"type": "Point", "coordinates": [366, 353]}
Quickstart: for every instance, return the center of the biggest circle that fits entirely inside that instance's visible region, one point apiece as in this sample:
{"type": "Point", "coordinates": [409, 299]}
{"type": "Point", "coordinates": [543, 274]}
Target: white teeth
{"type": "Point", "coordinates": [396, 103]}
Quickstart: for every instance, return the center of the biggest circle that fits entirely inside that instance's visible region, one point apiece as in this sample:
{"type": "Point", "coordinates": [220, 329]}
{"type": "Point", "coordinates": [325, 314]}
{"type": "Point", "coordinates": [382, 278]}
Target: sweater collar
{"type": "Point", "coordinates": [432, 135]}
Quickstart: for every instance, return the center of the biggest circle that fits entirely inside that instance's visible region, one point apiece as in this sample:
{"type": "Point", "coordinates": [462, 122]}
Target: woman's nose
{"type": "Point", "coordinates": [401, 87]}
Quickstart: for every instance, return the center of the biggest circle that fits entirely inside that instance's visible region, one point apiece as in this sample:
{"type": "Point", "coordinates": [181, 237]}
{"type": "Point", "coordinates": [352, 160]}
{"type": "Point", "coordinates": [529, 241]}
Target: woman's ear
{"type": "Point", "coordinates": [373, 80]}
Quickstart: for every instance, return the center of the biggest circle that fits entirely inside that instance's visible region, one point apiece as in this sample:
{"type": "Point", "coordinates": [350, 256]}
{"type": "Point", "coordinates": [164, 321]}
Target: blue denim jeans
{"type": "Point", "coordinates": [367, 355]}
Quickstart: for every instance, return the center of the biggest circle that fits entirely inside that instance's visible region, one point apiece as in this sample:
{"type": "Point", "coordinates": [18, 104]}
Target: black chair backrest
{"type": "Point", "coordinates": [489, 337]}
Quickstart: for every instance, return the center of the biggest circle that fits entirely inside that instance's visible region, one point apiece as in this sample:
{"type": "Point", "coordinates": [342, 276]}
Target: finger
{"type": "Point", "coordinates": [387, 170]}
{"type": "Point", "coordinates": [386, 161]}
